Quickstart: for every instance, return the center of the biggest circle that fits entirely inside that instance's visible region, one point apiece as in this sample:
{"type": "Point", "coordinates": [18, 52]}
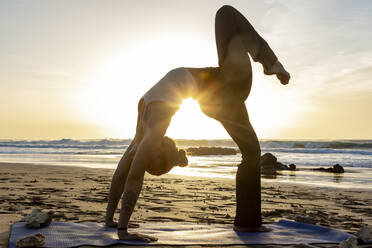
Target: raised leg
{"type": "Point", "coordinates": [235, 120]}
{"type": "Point", "coordinates": [235, 37]}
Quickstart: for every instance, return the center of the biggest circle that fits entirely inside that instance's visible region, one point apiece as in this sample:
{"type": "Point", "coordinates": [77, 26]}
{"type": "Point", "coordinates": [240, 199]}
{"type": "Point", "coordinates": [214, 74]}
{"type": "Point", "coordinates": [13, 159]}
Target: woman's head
{"type": "Point", "coordinates": [167, 157]}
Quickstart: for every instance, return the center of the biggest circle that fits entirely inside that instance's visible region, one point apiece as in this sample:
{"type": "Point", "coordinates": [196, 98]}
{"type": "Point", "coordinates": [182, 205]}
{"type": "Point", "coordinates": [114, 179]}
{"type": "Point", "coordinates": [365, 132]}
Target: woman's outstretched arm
{"type": "Point", "coordinates": [120, 176]}
{"type": "Point", "coordinates": [117, 184]}
{"type": "Point", "coordinates": [133, 186]}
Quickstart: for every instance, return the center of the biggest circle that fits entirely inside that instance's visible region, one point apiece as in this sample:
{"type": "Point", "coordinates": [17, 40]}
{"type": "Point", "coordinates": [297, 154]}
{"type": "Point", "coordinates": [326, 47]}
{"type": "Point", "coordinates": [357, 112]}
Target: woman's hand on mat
{"type": "Point", "coordinates": [125, 235]}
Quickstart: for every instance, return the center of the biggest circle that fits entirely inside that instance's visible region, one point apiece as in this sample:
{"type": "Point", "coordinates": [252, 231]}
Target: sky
{"type": "Point", "coordinates": [77, 69]}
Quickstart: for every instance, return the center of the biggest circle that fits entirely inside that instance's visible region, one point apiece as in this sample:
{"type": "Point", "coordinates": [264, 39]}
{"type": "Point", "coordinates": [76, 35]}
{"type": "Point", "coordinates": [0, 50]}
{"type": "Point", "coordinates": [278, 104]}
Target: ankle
{"type": "Point", "coordinates": [111, 223]}
{"type": "Point", "coordinates": [109, 220]}
{"type": "Point", "coordinates": [274, 69]}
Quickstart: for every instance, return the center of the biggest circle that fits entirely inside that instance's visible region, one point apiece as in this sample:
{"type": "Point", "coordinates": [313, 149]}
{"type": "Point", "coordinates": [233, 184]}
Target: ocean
{"type": "Point", "coordinates": [354, 155]}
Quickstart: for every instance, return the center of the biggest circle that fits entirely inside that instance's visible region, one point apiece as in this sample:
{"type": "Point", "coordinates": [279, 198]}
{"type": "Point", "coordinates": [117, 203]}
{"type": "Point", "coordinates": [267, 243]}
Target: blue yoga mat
{"type": "Point", "coordinates": [64, 234]}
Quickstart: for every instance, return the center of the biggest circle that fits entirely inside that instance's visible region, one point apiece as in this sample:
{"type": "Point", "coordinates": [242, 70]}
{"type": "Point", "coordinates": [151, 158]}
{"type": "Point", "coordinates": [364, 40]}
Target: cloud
{"type": "Point", "coordinates": [358, 81]}
{"type": "Point", "coordinates": [324, 44]}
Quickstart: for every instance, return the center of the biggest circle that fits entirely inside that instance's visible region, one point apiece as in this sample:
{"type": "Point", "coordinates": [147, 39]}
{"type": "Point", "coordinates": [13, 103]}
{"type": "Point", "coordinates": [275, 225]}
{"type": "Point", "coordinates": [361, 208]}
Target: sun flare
{"type": "Point", "coordinates": [190, 123]}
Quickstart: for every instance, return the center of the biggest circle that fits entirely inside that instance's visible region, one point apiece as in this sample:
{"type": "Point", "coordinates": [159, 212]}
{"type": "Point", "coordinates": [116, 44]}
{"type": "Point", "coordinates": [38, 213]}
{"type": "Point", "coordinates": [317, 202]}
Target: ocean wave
{"type": "Point", "coordinates": [60, 146]}
{"type": "Point", "coordinates": [347, 144]}
{"type": "Point", "coordinates": [69, 141]}
{"type": "Point", "coordinates": [61, 152]}
{"type": "Point", "coordinates": [318, 151]}
{"type": "Point", "coordinates": [119, 145]}
{"type": "Point", "coordinates": [67, 144]}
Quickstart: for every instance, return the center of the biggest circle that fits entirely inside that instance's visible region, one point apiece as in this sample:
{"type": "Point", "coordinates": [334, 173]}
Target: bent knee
{"type": "Point", "coordinates": [226, 10]}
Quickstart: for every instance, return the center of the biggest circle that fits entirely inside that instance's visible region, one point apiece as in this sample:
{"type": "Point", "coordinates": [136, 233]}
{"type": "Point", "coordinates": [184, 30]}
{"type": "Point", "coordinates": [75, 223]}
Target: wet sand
{"type": "Point", "coordinates": [79, 194]}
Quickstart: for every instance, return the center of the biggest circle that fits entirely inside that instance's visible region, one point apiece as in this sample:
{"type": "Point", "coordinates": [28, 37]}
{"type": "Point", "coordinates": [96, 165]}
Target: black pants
{"type": "Point", "coordinates": [235, 39]}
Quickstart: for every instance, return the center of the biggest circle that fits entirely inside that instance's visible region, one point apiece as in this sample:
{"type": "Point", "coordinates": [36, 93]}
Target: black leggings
{"type": "Point", "coordinates": [235, 39]}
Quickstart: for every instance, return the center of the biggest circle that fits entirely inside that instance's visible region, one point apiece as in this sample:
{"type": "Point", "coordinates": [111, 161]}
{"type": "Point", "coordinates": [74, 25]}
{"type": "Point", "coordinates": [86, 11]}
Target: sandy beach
{"type": "Point", "coordinates": [78, 194]}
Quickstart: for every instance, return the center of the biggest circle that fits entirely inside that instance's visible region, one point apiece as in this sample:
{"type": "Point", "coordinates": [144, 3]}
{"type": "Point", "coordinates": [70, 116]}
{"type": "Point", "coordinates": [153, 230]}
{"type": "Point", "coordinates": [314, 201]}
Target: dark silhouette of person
{"type": "Point", "coordinates": [221, 93]}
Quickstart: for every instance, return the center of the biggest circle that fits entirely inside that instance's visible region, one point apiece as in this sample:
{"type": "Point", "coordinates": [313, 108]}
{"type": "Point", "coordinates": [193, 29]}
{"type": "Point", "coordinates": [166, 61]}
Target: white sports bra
{"type": "Point", "coordinates": [175, 86]}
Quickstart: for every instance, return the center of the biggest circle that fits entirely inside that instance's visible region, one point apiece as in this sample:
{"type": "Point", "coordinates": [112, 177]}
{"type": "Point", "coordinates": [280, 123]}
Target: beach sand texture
{"type": "Point", "coordinates": [79, 194]}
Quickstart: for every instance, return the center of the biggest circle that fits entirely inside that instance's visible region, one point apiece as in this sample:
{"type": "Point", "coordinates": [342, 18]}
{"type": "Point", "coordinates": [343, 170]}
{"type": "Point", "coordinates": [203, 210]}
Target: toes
{"type": "Point", "coordinates": [283, 77]}
{"type": "Point", "coordinates": [150, 238]}
{"type": "Point", "coordinates": [133, 225]}
{"type": "Point", "coordinates": [154, 239]}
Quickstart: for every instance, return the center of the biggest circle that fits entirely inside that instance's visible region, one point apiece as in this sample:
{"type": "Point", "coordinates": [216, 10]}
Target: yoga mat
{"type": "Point", "coordinates": [65, 234]}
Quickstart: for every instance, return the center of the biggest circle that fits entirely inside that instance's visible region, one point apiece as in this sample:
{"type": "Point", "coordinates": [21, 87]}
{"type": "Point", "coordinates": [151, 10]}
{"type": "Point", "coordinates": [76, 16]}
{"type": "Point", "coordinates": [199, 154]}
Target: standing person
{"type": "Point", "coordinates": [221, 92]}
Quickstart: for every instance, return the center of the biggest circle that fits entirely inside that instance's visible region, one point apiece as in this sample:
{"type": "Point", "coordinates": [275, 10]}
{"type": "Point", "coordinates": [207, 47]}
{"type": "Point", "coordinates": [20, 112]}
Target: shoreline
{"type": "Point", "coordinates": [354, 177]}
{"type": "Point", "coordinates": [79, 194]}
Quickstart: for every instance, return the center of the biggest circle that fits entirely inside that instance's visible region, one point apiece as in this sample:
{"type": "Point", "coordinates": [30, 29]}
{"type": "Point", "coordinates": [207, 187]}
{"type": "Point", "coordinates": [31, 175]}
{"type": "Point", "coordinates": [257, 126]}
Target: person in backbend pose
{"type": "Point", "coordinates": [221, 92]}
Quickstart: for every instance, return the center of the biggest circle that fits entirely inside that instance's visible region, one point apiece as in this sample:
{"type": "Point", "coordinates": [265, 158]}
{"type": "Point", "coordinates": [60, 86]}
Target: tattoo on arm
{"type": "Point", "coordinates": [129, 200]}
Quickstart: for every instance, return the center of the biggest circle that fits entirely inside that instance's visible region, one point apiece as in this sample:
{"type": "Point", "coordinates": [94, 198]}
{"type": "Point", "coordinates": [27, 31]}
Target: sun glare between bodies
{"type": "Point", "coordinates": [190, 123]}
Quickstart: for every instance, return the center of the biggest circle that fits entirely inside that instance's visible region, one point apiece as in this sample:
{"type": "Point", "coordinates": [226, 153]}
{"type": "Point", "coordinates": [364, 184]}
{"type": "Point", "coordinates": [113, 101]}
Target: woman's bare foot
{"type": "Point", "coordinates": [115, 224]}
{"type": "Point", "coordinates": [278, 69]}
{"type": "Point", "coordinates": [124, 235]}
{"type": "Point", "coordinates": [247, 229]}
{"type": "Point", "coordinates": [133, 225]}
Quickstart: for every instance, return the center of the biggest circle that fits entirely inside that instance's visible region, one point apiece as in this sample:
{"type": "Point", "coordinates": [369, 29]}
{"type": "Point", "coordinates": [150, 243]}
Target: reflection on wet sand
{"type": "Point", "coordinates": [338, 178]}
{"type": "Point", "coordinates": [269, 175]}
